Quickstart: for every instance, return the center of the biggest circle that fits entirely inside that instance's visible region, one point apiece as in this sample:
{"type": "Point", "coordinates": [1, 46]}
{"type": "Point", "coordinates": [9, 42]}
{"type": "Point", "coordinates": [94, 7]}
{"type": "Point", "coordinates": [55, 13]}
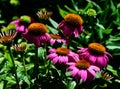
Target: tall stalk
{"type": "Point", "coordinates": [15, 70]}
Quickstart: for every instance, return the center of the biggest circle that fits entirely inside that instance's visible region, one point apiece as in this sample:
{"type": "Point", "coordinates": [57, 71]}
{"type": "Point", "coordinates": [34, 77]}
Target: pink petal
{"type": "Point", "coordinates": [71, 68]}
{"type": "Point", "coordinates": [55, 60]}
{"type": "Point", "coordinates": [92, 59]}
{"type": "Point", "coordinates": [52, 50]}
{"type": "Point", "coordinates": [15, 22]}
{"type": "Point", "coordinates": [95, 68]}
{"type": "Point", "coordinates": [109, 54]}
{"type": "Point", "coordinates": [76, 32]}
{"type": "Point", "coordinates": [75, 71]}
{"type": "Point", "coordinates": [91, 71]}
{"type": "Point", "coordinates": [65, 59]}
{"type": "Point", "coordinates": [83, 75]}
{"type": "Point", "coordinates": [61, 24]}
{"type": "Point", "coordinates": [60, 59]}
{"type": "Point", "coordinates": [21, 28]}
{"type": "Point", "coordinates": [51, 56]}
{"type": "Point", "coordinates": [52, 41]}
{"type": "Point", "coordinates": [101, 61]}
{"type": "Point", "coordinates": [71, 63]}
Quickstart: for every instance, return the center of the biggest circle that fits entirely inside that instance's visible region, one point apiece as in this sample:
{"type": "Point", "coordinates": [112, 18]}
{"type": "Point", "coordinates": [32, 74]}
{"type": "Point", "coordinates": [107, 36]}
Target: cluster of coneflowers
{"type": "Point", "coordinates": [83, 64]}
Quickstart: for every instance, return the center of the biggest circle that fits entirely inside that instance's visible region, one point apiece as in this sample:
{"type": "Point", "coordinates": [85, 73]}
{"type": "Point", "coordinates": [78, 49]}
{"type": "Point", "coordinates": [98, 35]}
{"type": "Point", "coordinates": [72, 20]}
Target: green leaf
{"type": "Point", "coordinates": [62, 12]}
{"type": "Point", "coordinates": [74, 5]}
{"type": "Point", "coordinates": [54, 23]}
{"type": "Point", "coordinates": [26, 80]}
{"type": "Point", "coordinates": [41, 53]}
{"type": "Point", "coordinates": [69, 9]}
{"type": "Point", "coordinates": [8, 58]}
{"type": "Point", "coordinates": [53, 30]}
{"type": "Point", "coordinates": [107, 31]}
{"type": "Point", "coordinates": [100, 33]}
{"type": "Point", "coordinates": [112, 6]}
{"type": "Point", "coordinates": [110, 68]}
{"type": "Point", "coordinates": [1, 85]}
{"type": "Point", "coordinates": [72, 85]}
{"type": "Point", "coordinates": [100, 26]}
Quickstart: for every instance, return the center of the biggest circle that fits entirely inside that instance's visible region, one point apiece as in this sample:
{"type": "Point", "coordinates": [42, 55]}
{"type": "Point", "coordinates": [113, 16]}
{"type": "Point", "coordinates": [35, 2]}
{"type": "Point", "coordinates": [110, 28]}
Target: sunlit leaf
{"type": "Point", "coordinates": [71, 85]}
{"type": "Point", "coordinates": [110, 68]}
{"type": "Point", "coordinates": [1, 85]}
{"type": "Point", "coordinates": [53, 30]}
{"type": "Point", "coordinates": [54, 23]}
{"type": "Point", "coordinates": [62, 12]}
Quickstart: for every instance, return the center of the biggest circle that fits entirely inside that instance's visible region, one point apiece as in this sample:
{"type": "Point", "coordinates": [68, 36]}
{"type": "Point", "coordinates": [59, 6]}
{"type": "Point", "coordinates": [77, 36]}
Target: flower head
{"type": "Point", "coordinates": [71, 25]}
{"type": "Point", "coordinates": [61, 55]}
{"type": "Point", "coordinates": [6, 37]}
{"type": "Point", "coordinates": [20, 48]}
{"type": "Point", "coordinates": [56, 38]}
{"type": "Point", "coordinates": [44, 13]}
{"type": "Point", "coordinates": [91, 12]}
{"type": "Point", "coordinates": [82, 69]}
{"type": "Point", "coordinates": [37, 34]}
{"type": "Point", "coordinates": [106, 75]}
{"type": "Point", "coordinates": [22, 23]}
{"type": "Point", "coordinates": [95, 53]}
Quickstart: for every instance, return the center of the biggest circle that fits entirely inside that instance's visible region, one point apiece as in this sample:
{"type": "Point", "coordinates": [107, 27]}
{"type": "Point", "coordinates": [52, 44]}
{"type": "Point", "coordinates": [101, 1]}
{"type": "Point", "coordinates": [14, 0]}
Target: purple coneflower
{"type": "Point", "coordinates": [95, 53]}
{"type": "Point", "coordinates": [22, 23]}
{"type": "Point", "coordinates": [83, 69]}
{"type": "Point", "coordinates": [56, 38]}
{"type": "Point", "coordinates": [71, 25]}
{"type": "Point", "coordinates": [61, 55]}
{"type": "Point", "coordinates": [37, 34]}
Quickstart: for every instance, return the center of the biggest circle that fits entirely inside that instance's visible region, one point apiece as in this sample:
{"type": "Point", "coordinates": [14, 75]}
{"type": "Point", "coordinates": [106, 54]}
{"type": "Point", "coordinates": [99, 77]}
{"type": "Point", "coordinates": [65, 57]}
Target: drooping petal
{"type": "Point", "coordinates": [51, 56]}
{"type": "Point", "coordinates": [101, 61]}
{"type": "Point", "coordinates": [52, 41]}
{"type": "Point", "coordinates": [92, 71]}
{"type": "Point", "coordinates": [65, 59]}
{"type": "Point", "coordinates": [75, 71]}
{"type": "Point", "coordinates": [15, 22]}
{"type": "Point", "coordinates": [76, 32]}
{"type": "Point", "coordinates": [92, 58]}
{"type": "Point", "coordinates": [60, 59]}
{"type": "Point", "coordinates": [71, 63]}
{"type": "Point", "coordinates": [21, 28]}
{"type": "Point", "coordinates": [95, 68]}
{"type": "Point", "coordinates": [52, 50]}
{"type": "Point", "coordinates": [61, 24]}
{"type": "Point", "coordinates": [83, 75]}
{"type": "Point", "coordinates": [55, 60]}
{"type": "Point", "coordinates": [70, 68]}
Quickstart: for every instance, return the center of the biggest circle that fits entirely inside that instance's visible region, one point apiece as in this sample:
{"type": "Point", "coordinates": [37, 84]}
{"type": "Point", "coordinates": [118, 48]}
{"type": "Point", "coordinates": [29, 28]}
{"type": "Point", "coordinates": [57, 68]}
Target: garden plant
{"type": "Point", "coordinates": [59, 44]}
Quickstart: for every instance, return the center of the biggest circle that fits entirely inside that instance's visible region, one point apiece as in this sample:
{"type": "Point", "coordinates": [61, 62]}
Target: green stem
{"type": "Point", "coordinates": [23, 60]}
{"type": "Point", "coordinates": [36, 69]}
{"type": "Point", "coordinates": [15, 70]}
